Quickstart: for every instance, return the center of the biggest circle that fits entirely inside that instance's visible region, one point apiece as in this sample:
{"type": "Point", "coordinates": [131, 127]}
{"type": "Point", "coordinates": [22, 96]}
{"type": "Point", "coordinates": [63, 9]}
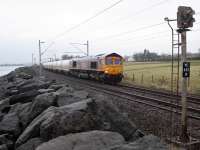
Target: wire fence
{"type": "Point", "coordinates": [154, 80]}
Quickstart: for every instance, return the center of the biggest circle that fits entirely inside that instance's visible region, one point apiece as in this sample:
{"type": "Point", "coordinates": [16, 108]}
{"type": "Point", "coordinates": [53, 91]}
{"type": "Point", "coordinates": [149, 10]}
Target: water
{"type": "Point", "coordinates": [7, 69]}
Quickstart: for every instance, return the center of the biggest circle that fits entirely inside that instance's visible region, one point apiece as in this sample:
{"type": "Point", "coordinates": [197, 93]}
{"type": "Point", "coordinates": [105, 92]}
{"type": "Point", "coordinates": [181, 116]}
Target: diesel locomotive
{"type": "Point", "coordinates": [104, 67]}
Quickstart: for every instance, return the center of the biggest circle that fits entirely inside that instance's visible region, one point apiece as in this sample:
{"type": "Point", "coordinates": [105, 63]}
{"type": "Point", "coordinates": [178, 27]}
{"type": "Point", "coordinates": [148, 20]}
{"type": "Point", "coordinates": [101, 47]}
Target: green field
{"type": "Point", "coordinates": [158, 75]}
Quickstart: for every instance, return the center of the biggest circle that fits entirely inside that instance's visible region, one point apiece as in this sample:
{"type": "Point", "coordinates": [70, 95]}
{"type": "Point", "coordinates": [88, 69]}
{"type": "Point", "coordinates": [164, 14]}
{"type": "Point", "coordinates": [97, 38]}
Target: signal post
{"type": "Point", "coordinates": [184, 21]}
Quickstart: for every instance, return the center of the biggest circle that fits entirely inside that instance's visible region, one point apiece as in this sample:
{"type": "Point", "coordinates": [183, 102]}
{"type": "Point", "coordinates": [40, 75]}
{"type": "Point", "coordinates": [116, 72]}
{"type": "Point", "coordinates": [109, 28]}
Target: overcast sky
{"type": "Point", "coordinates": [24, 22]}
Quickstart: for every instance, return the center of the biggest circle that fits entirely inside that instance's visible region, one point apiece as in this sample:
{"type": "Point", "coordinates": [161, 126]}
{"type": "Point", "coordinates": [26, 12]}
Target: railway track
{"type": "Point", "coordinates": [142, 96]}
{"type": "Point", "coordinates": [194, 113]}
{"type": "Point", "coordinates": [191, 98]}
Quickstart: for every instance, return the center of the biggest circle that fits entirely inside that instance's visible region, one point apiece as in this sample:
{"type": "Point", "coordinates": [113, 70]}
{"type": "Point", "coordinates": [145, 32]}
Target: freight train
{"type": "Point", "coordinates": [105, 67]}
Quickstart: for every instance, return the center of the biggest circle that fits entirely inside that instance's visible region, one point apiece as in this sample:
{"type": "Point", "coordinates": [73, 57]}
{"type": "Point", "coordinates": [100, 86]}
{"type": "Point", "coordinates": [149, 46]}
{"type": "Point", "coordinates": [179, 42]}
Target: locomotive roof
{"type": "Point", "coordinates": [98, 56]}
{"type": "Point", "coordinates": [86, 57]}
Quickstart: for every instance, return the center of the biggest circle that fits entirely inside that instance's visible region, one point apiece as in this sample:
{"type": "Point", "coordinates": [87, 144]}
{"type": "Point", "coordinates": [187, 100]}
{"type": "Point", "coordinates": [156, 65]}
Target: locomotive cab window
{"type": "Point", "coordinates": [109, 61]}
{"type": "Point", "coordinates": [93, 65]}
{"type": "Point", "coordinates": [118, 61]}
{"type": "Point", "coordinates": [74, 64]}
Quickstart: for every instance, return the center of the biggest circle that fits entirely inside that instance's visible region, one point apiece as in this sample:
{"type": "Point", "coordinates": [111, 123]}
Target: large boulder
{"type": "Point", "coordinates": [79, 117]}
{"type": "Point", "coordinates": [33, 84]}
{"type": "Point", "coordinates": [5, 105]}
{"type": "Point", "coordinates": [65, 91]}
{"type": "Point", "coordinates": [108, 117]}
{"type": "Point", "coordinates": [42, 91]}
{"type": "Point", "coordinates": [66, 96]}
{"type": "Point", "coordinates": [19, 107]}
{"type": "Point", "coordinates": [3, 147]}
{"type": "Point", "coordinates": [57, 86]}
{"type": "Point", "coordinates": [10, 124]}
{"type": "Point", "coordinates": [33, 130]}
{"type": "Point", "coordinates": [68, 119]}
{"type": "Point", "coordinates": [93, 140]}
{"type": "Point", "coordinates": [81, 94]}
{"type": "Point", "coordinates": [6, 140]}
{"type": "Point", "coordinates": [11, 76]}
{"type": "Point", "coordinates": [24, 97]}
{"type": "Point", "coordinates": [32, 144]}
{"type": "Point", "coordinates": [149, 142]}
{"type": "Point", "coordinates": [40, 103]}
{"type": "Point", "coordinates": [23, 72]}
{"type": "Point", "coordinates": [22, 111]}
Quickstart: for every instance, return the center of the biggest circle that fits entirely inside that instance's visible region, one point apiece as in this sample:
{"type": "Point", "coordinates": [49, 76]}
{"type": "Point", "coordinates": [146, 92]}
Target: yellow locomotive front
{"type": "Point", "coordinates": [113, 67]}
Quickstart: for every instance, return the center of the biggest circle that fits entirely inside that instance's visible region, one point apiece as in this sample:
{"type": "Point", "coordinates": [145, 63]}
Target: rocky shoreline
{"type": "Point", "coordinates": [38, 114]}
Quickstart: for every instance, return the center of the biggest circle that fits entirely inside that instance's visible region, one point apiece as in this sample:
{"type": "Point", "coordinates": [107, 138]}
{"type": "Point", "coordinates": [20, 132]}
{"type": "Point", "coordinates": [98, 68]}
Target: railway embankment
{"type": "Point", "coordinates": [41, 114]}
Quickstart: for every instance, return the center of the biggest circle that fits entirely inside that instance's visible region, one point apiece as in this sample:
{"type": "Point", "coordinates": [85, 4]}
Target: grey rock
{"type": "Point", "coordinates": [3, 147]}
{"type": "Point", "coordinates": [65, 96]}
{"type": "Point", "coordinates": [65, 91]}
{"type": "Point", "coordinates": [11, 76]}
{"type": "Point", "coordinates": [40, 103]}
{"type": "Point", "coordinates": [24, 75]}
{"type": "Point", "coordinates": [18, 107]}
{"type": "Point", "coordinates": [108, 117]}
{"type": "Point", "coordinates": [78, 117]}
{"type": "Point", "coordinates": [67, 100]}
{"type": "Point", "coordinates": [25, 70]}
{"type": "Point", "coordinates": [1, 116]}
{"type": "Point", "coordinates": [33, 84]}
{"type": "Point", "coordinates": [23, 114]}
{"type": "Point", "coordinates": [93, 140]}
{"type": "Point", "coordinates": [12, 92]}
{"type": "Point", "coordinates": [136, 135]}
{"type": "Point", "coordinates": [22, 111]}
{"type": "Point", "coordinates": [22, 83]}
{"type": "Point", "coordinates": [29, 86]}
{"type": "Point", "coordinates": [51, 117]}
{"type": "Point", "coordinates": [23, 97]}
{"type": "Point", "coordinates": [68, 96]}
{"type": "Point", "coordinates": [10, 85]}
{"type": "Point", "coordinates": [32, 144]}
{"type": "Point", "coordinates": [68, 119]}
{"type": "Point", "coordinates": [33, 130]}
{"type": "Point", "coordinates": [42, 91]}
{"type": "Point", "coordinates": [57, 86]}
{"type": "Point", "coordinates": [5, 105]}
{"type": "Point", "coordinates": [81, 94]}
{"type": "Point", "coordinates": [6, 139]}
{"type": "Point", "coordinates": [10, 124]}
{"type": "Point", "coordinates": [149, 142]}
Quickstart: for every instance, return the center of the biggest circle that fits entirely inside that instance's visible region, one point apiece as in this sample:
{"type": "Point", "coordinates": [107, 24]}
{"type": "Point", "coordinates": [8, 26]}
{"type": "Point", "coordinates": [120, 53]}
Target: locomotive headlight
{"type": "Point", "coordinates": [106, 71]}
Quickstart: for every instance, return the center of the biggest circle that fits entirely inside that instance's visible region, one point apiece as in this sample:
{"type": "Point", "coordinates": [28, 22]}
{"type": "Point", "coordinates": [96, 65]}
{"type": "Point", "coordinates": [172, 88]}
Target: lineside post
{"type": "Point", "coordinates": [184, 135]}
{"type": "Point", "coordinates": [184, 21]}
{"type": "Point", "coordinates": [87, 48]}
{"type": "Point", "coordinates": [40, 57]}
{"type": "Point", "coordinates": [40, 65]}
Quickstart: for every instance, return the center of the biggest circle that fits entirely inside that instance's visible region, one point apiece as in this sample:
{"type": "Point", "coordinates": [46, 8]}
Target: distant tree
{"type": "Point", "coordinates": [66, 57]}
{"type": "Point", "coordinates": [146, 56]}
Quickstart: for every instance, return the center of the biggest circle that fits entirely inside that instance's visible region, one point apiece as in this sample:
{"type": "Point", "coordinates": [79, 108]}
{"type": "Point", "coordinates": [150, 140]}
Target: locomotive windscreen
{"type": "Point", "coordinates": [113, 60]}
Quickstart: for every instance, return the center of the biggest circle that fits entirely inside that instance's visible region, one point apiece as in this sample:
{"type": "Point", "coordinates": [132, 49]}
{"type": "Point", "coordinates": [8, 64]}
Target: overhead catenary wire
{"type": "Point", "coordinates": [150, 38]}
{"type": "Point", "coordinates": [132, 31]}
{"type": "Point", "coordinates": [89, 19]}
{"type": "Point", "coordinates": [143, 10]}
{"type": "Point", "coordinates": [100, 12]}
{"type": "Point", "coordinates": [139, 12]}
{"type": "Point", "coordinates": [84, 22]}
{"type": "Point", "coordinates": [154, 33]}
